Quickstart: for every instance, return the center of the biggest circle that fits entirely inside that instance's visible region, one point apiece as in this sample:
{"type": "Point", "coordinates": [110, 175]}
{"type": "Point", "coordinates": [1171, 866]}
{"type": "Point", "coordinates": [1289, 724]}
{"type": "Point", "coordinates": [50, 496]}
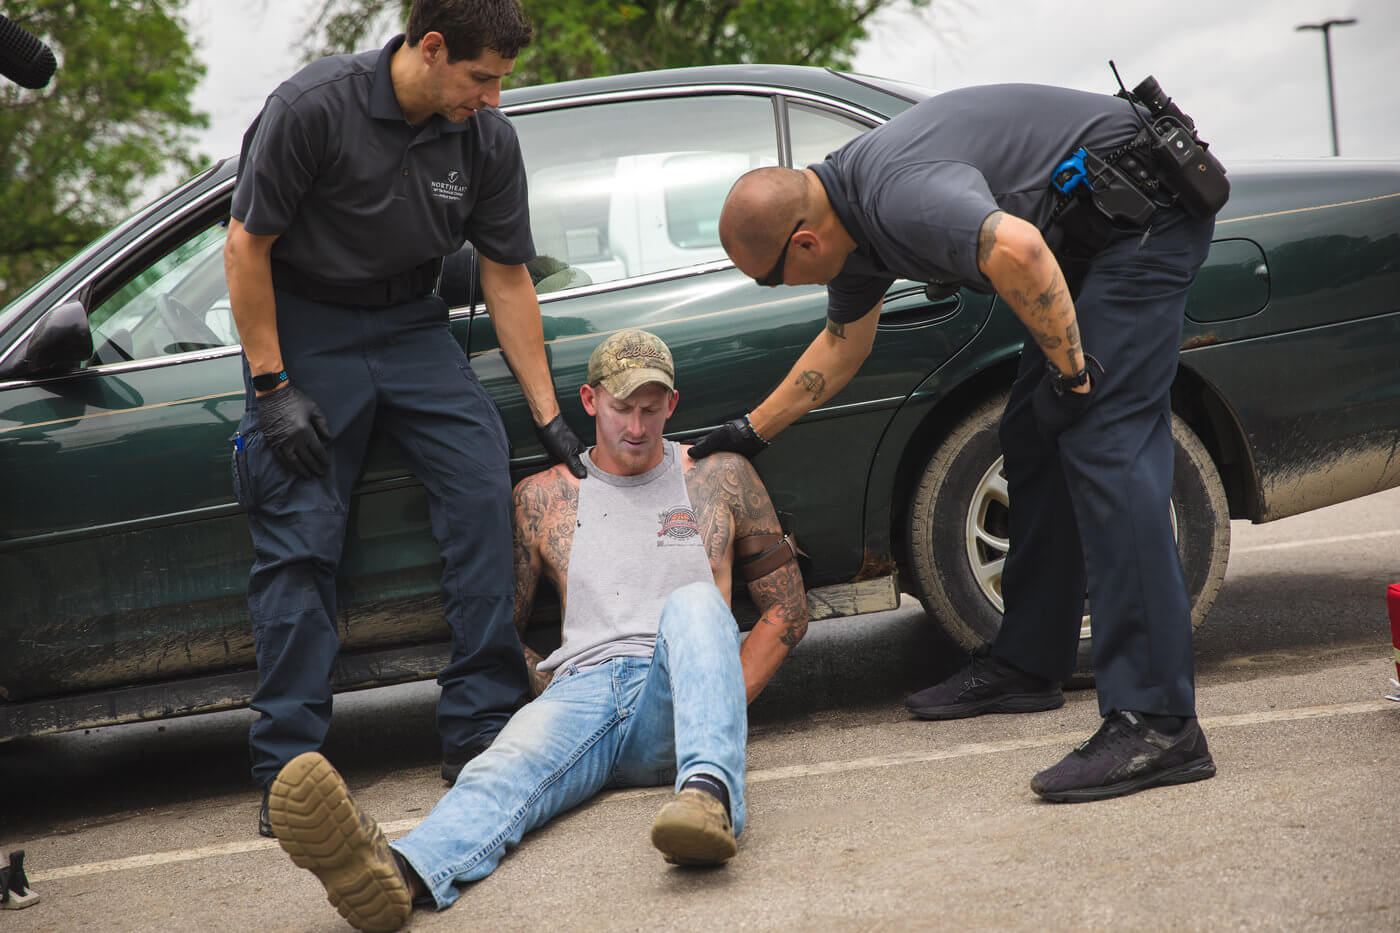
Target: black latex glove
{"type": "Point", "coordinates": [563, 444]}
{"type": "Point", "coordinates": [1056, 411]}
{"type": "Point", "coordinates": [295, 429]}
{"type": "Point", "coordinates": [737, 435]}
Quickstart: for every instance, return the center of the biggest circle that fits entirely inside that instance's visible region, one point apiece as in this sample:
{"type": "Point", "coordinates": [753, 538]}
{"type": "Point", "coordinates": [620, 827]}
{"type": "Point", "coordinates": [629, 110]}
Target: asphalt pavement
{"type": "Point", "coordinates": [861, 818]}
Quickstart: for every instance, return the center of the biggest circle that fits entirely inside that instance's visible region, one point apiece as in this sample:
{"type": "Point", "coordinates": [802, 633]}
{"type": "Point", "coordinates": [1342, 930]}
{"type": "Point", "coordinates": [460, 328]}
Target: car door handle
{"type": "Point", "coordinates": [913, 307]}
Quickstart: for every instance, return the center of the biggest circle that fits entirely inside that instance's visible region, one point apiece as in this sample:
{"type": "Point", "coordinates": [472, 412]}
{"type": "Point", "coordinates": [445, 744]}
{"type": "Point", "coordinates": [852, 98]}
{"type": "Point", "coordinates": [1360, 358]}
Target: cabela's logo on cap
{"type": "Point", "coordinates": [450, 188]}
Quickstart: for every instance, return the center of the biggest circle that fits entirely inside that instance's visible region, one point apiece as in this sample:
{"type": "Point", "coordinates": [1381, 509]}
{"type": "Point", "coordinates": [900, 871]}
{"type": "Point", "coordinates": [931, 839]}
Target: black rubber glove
{"type": "Point", "coordinates": [737, 435]}
{"type": "Point", "coordinates": [1055, 410]}
{"type": "Point", "coordinates": [563, 444]}
{"type": "Point", "coordinates": [295, 429]}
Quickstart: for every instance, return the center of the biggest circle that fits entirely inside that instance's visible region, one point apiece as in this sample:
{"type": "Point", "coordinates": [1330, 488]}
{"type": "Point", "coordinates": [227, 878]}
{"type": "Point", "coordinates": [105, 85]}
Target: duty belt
{"type": "Point", "coordinates": [405, 286]}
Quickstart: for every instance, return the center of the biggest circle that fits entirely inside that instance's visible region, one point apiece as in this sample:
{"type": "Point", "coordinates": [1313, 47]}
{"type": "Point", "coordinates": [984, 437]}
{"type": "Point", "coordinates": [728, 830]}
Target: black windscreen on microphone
{"type": "Point", "coordinates": [24, 59]}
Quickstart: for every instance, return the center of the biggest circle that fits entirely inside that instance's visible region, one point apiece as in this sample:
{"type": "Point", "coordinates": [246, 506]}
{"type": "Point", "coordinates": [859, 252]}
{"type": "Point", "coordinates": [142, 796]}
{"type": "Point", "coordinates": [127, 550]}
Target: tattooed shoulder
{"type": "Point", "coordinates": [987, 236]}
{"type": "Point", "coordinates": [546, 508]}
{"type": "Point", "coordinates": [728, 481]}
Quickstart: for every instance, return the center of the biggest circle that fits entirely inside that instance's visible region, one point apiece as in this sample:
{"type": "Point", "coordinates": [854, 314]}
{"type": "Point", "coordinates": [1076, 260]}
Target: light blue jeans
{"type": "Point", "coordinates": [625, 722]}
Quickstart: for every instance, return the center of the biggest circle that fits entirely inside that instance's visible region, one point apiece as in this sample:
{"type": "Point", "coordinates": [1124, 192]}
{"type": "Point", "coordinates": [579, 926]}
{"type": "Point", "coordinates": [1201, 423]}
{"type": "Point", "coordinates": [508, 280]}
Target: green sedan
{"type": "Point", "coordinates": [124, 558]}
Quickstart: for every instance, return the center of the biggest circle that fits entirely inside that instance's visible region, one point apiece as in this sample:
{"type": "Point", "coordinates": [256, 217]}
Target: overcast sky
{"type": "Point", "coordinates": [1256, 87]}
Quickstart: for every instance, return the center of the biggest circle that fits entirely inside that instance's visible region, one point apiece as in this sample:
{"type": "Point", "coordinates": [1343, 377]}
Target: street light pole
{"type": "Point", "coordinates": [1325, 27]}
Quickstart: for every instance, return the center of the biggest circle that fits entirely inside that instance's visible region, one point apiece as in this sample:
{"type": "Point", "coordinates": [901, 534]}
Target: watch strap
{"type": "Point", "coordinates": [1062, 383]}
{"type": "Point", "coordinates": [264, 382]}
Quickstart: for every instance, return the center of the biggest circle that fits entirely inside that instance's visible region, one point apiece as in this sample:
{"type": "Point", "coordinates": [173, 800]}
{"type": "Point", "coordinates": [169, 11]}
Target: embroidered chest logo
{"type": "Point", "coordinates": [677, 526]}
{"type": "Point", "coordinates": [452, 188]}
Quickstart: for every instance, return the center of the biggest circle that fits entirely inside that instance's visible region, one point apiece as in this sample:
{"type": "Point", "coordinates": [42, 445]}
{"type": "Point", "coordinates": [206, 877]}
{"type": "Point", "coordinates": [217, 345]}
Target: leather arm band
{"type": "Point", "coordinates": [759, 555]}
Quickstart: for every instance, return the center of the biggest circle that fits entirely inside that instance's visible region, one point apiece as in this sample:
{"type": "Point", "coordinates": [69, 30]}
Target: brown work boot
{"type": "Point", "coordinates": [321, 828]}
{"type": "Point", "coordinates": [693, 829]}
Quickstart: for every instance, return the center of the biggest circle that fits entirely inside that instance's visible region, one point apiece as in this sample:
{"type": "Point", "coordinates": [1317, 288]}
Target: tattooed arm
{"type": "Point", "coordinates": [1013, 256]}
{"type": "Point", "coordinates": [736, 505]}
{"type": "Point", "coordinates": [823, 370]}
{"type": "Point", "coordinates": [533, 502]}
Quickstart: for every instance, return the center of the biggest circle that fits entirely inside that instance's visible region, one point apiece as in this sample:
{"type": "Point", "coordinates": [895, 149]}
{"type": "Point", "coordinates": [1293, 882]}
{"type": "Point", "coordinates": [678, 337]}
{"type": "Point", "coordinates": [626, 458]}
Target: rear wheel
{"type": "Point", "coordinates": [958, 530]}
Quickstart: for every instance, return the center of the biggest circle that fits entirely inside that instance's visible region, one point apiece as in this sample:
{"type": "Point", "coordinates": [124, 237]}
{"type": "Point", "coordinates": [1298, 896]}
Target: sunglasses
{"type": "Point", "coordinates": [775, 275]}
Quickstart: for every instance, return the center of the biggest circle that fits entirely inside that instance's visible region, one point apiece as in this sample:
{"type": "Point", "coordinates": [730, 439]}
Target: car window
{"type": "Point", "coordinates": [816, 131]}
{"type": "Point", "coordinates": [176, 304]}
{"type": "Point", "coordinates": [630, 188]}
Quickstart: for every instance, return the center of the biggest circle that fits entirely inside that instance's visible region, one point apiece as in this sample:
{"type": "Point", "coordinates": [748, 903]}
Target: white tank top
{"type": "Point", "coordinates": [636, 542]}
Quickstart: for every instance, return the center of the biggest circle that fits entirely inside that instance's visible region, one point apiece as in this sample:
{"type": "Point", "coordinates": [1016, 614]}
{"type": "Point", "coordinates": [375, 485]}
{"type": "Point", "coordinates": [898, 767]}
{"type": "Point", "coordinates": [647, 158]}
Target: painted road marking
{"type": "Point", "coordinates": [969, 750]}
{"type": "Point", "coordinates": [1314, 542]}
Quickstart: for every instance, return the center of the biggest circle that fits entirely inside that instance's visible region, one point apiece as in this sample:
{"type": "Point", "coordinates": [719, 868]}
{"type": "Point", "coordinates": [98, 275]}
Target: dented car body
{"type": "Point", "coordinates": [124, 557]}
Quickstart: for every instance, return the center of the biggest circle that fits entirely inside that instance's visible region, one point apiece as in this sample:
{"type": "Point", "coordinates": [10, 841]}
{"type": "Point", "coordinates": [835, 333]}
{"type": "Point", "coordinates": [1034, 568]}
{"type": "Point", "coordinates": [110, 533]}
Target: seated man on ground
{"type": "Point", "coordinates": [650, 680]}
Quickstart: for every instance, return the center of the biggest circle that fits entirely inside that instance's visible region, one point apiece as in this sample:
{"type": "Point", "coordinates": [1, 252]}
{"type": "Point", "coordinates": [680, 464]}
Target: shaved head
{"type": "Point", "coordinates": [761, 210]}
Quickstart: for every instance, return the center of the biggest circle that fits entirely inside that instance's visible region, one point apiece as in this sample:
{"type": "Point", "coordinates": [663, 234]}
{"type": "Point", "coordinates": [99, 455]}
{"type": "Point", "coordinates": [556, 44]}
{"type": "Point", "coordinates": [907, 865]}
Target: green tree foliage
{"type": "Point", "coordinates": [582, 38]}
{"type": "Point", "coordinates": [75, 155]}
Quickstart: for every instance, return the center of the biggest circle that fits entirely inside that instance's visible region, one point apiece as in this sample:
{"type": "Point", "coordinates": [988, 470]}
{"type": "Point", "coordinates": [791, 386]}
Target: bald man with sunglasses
{"type": "Point", "coordinates": [957, 191]}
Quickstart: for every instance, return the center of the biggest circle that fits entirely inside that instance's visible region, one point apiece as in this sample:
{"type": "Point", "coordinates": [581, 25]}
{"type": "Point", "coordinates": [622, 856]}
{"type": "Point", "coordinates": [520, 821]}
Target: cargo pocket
{"type": "Point", "coordinates": [484, 403]}
{"type": "Point", "coordinates": [238, 466]}
{"type": "Point", "coordinates": [252, 487]}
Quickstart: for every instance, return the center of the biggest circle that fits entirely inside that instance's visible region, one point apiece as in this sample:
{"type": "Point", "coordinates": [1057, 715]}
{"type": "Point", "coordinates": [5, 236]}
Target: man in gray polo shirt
{"type": "Point", "coordinates": [957, 190]}
{"type": "Point", "coordinates": [359, 175]}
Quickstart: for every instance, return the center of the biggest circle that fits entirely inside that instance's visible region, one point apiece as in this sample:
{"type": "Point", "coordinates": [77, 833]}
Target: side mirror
{"type": "Point", "coordinates": [60, 343]}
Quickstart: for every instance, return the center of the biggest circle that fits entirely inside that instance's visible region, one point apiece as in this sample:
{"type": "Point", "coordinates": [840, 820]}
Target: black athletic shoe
{"type": "Point", "coordinates": [1126, 756]}
{"type": "Point", "coordinates": [986, 685]}
{"type": "Point", "coordinates": [265, 822]}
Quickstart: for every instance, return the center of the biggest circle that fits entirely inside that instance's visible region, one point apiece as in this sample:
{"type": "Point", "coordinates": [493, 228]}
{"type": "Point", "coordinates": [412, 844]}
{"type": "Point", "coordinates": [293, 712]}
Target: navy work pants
{"type": "Point", "coordinates": [1091, 508]}
{"type": "Point", "coordinates": [397, 369]}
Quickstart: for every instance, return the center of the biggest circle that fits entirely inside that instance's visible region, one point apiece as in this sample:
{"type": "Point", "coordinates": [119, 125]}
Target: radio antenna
{"type": "Point", "coordinates": [1128, 96]}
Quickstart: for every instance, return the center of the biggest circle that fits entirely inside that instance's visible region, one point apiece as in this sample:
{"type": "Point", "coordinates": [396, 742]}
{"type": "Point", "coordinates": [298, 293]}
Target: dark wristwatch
{"type": "Point", "coordinates": [266, 382]}
{"type": "Point", "coordinates": [1058, 380]}
{"type": "Point", "coordinates": [1062, 383]}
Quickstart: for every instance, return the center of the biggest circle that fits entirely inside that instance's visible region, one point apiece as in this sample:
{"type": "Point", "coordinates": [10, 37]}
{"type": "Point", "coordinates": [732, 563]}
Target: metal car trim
{"type": "Point", "coordinates": [1304, 210]}
{"type": "Point", "coordinates": [597, 288]}
{"type": "Point", "coordinates": [129, 366]}
{"type": "Point", "coordinates": [852, 408]}
{"type": "Point", "coordinates": [598, 335]}
{"type": "Point", "coordinates": [780, 116]}
{"type": "Point", "coordinates": [120, 411]}
{"type": "Point", "coordinates": [691, 90]}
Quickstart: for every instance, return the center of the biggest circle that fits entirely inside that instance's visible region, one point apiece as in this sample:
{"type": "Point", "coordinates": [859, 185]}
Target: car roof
{"type": "Point", "coordinates": [824, 81]}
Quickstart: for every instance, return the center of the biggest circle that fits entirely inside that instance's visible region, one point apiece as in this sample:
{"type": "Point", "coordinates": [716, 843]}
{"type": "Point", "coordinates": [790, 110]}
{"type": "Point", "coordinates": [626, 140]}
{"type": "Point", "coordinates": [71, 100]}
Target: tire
{"type": "Point", "coordinates": [958, 530]}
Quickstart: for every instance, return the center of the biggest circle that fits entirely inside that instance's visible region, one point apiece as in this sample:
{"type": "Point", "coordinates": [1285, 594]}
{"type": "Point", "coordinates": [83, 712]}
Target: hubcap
{"type": "Point", "coordinates": [987, 535]}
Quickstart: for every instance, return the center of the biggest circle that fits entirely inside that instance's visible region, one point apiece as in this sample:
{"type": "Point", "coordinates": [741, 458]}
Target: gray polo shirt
{"type": "Point", "coordinates": [914, 192]}
{"type": "Point", "coordinates": [356, 194]}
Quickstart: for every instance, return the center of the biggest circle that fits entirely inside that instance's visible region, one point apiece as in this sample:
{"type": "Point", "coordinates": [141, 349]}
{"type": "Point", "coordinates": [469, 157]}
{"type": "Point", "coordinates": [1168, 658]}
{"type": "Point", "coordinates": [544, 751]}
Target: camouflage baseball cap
{"type": "Point", "coordinates": [628, 360]}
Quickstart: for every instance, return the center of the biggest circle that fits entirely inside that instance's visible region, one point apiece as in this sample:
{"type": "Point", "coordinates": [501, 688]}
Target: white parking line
{"type": "Point", "coordinates": [1314, 542]}
{"type": "Point", "coordinates": [969, 750]}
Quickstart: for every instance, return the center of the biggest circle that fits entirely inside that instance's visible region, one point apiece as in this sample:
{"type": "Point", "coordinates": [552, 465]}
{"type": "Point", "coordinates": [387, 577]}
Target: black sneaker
{"type": "Point", "coordinates": [264, 822]}
{"type": "Point", "coordinates": [986, 685]}
{"type": "Point", "coordinates": [1125, 756]}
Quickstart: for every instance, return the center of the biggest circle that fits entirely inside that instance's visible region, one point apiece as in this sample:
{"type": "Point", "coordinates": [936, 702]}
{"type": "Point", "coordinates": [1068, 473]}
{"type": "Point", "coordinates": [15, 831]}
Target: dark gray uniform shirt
{"type": "Point", "coordinates": [356, 194]}
{"type": "Point", "coordinates": [914, 192]}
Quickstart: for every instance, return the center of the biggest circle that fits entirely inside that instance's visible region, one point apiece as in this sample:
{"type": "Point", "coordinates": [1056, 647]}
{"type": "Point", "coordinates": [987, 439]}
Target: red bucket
{"type": "Point", "coordinates": [1392, 600]}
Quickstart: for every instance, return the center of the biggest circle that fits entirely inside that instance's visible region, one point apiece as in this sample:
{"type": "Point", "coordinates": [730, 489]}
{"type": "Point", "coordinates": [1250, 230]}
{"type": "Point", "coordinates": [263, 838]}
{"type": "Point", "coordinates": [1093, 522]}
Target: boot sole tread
{"type": "Point", "coordinates": [319, 826]}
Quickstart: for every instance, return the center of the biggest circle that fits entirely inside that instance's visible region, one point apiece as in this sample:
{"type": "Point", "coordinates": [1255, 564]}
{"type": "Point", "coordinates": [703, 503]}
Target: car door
{"type": "Point", "coordinates": [123, 558]}
{"type": "Point", "coordinates": [625, 197]}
